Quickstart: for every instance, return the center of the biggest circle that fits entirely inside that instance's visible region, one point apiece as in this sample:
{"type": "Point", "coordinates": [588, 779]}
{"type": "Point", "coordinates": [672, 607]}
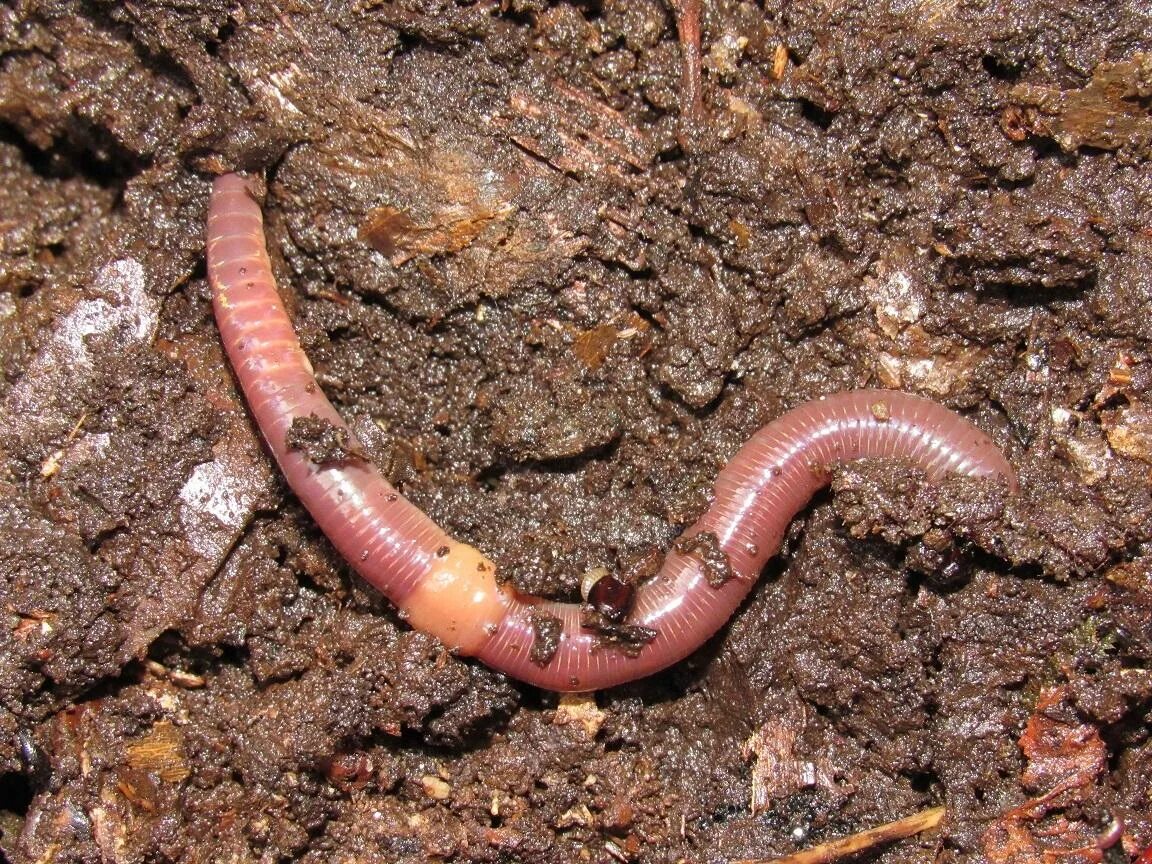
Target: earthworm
{"type": "Point", "coordinates": [451, 590]}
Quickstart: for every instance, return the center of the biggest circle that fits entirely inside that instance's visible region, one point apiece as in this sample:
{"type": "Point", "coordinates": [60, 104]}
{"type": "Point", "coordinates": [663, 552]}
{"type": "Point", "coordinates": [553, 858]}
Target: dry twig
{"type": "Point", "coordinates": [834, 850]}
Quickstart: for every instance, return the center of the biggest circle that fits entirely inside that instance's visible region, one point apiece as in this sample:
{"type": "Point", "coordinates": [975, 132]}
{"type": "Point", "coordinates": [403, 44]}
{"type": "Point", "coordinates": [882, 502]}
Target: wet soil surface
{"type": "Point", "coordinates": [553, 297]}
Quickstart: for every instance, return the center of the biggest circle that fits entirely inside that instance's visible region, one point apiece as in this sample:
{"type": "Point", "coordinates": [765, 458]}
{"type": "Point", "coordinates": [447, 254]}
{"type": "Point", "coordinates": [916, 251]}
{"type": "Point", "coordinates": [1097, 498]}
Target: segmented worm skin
{"type": "Point", "coordinates": [449, 589]}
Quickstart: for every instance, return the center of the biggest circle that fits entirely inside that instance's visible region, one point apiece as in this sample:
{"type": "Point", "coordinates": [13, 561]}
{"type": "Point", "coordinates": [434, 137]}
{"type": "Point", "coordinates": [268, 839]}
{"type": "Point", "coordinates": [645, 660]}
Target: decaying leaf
{"type": "Point", "coordinates": [397, 235]}
{"type": "Point", "coordinates": [1066, 763]}
{"type": "Point", "coordinates": [161, 752]}
{"type": "Point", "coordinates": [1111, 112]}
{"type": "Point", "coordinates": [777, 772]}
{"type": "Point", "coordinates": [592, 346]}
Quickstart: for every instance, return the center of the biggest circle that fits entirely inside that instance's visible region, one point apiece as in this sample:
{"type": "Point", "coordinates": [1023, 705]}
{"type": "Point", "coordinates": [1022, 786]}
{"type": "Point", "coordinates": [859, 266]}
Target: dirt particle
{"type": "Point", "coordinates": [322, 441]}
{"type": "Point", "coordinates": [575, 817]}
{"type": "Point", "coordinates": [579, 709]}
{"type": "Point", "coordinates": [611, 635]}
{"type": "Point", "coordinates": [618, 816]}
{"type": "Point", "coordinates": [1129, 433]}
{"type": "Point", "coordinates": [435, 787]}
{"type": "Point", "coordinates": [705, 545]}
{"type": "Point", "coordinates": [547, 630]}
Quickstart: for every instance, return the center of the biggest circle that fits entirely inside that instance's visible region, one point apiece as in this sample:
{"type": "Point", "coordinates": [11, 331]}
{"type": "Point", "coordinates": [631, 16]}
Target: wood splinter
{"type": "Point", "coordinates": [834, 850]}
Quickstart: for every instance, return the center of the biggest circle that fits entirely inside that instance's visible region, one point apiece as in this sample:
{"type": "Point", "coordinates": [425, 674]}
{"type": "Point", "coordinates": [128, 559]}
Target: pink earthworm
{"type": "Point", "coordinates": [450, 590]}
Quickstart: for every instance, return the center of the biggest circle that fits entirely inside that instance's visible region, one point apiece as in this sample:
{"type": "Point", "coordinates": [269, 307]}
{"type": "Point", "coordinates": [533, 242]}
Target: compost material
{"type": "Point", "coordinates": [553, 285]}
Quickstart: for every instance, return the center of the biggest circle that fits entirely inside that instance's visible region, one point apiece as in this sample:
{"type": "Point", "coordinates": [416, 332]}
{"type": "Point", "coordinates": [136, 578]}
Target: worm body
{"type": "Point", "coordinates": [450, 590]}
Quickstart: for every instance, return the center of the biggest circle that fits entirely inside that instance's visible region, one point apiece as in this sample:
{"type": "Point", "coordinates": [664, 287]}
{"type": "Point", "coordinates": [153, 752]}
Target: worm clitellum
{"type": "Point", "coordinates": [450, 590]}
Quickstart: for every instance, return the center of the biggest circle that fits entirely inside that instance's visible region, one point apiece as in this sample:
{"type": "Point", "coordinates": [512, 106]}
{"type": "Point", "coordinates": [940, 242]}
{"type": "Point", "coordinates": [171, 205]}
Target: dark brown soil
{"type": "Point", "coordinates": [552, 304]}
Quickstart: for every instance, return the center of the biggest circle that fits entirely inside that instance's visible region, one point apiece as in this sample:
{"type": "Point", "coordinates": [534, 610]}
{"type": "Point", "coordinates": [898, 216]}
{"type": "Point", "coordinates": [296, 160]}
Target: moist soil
{"type": "Point", "coordinates": [553, 294]}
